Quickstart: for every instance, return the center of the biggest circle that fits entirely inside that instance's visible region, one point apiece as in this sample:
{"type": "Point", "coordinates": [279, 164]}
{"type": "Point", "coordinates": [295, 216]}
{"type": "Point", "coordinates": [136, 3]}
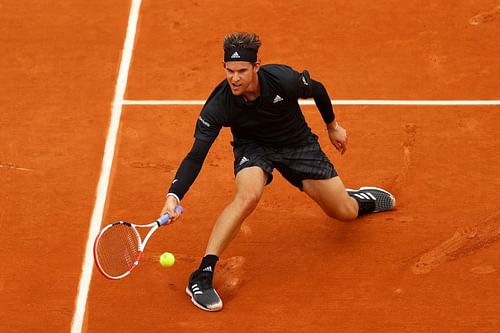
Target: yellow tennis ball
{"type": "Point", "coordinates": [167, 259]}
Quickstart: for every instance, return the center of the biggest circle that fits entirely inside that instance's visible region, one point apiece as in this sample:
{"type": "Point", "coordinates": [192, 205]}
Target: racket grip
{"type": "Point", "coordinates": [165, 218]}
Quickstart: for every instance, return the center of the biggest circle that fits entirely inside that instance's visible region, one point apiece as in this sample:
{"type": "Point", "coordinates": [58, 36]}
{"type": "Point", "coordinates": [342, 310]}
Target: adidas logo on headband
{"type": "Point", "coordinates": [240, 54]}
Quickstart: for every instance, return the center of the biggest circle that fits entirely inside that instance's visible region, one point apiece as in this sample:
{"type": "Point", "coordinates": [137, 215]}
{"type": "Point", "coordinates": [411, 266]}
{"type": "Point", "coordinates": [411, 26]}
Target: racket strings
{"type": "Point", "coordinates": [118, 249]}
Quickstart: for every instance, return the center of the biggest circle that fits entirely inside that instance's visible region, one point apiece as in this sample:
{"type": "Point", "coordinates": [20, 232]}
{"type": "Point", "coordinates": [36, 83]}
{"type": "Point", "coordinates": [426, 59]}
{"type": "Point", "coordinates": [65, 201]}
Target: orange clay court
{"type": "Point", "coordinates": [432, 265]}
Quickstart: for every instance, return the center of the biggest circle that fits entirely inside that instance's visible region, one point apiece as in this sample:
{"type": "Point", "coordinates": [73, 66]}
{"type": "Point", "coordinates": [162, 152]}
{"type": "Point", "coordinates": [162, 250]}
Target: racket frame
{"type": "Point", "coordinates": [163, 220]}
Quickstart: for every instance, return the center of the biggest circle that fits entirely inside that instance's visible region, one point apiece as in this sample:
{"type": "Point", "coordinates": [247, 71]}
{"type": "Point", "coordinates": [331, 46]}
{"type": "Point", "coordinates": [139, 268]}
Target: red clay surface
{"type": "Point", "coordinates": [430, 266]}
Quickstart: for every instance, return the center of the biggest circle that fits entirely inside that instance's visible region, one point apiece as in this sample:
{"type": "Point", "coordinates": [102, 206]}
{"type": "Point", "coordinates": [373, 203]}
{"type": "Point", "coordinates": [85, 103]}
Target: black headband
{"type": "Point", "coordinates": [240, 54]}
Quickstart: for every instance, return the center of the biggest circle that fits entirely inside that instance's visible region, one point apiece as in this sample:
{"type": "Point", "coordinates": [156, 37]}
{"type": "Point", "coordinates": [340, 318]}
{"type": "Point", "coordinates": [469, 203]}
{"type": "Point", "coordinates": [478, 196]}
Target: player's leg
{"type": "Point", "coordinates": [332, 197]}
{"type": "Point", "coordinates": [346, 204]}
{"type": "Point", "coordinates": [308, 168]}
{"type": "Point", "coordinates": [250, 184]}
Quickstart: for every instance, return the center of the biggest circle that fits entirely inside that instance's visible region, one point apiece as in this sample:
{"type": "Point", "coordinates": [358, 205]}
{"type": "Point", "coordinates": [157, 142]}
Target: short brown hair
{"type": "Point", "coordinates": [244, 40]}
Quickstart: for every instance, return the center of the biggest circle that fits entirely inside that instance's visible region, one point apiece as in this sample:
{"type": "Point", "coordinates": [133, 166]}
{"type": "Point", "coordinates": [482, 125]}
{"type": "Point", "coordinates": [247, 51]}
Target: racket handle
{"type": "Point", "coordinates": [165, 218]}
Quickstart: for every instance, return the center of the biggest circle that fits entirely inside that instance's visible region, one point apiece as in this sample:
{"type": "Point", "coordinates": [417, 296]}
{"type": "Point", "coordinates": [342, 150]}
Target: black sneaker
{"type": "Point", "coordinates": [202, 294]}
{"type": "Point", "coordinates": [372, 199]}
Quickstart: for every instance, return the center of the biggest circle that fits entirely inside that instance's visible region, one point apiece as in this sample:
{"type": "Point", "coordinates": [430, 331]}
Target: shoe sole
{"type": "Point", "coordinates": [378, 189]}
{"type": "Point", "coordinates": [188, 292]}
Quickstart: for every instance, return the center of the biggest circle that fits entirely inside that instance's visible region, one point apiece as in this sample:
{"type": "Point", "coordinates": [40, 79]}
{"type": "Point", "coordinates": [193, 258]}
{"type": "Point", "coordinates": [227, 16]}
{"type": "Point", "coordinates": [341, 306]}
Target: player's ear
{"type": "Point", "coordinates": [224, 64]}
{"type": "Point", "coordinates": [256, 66]}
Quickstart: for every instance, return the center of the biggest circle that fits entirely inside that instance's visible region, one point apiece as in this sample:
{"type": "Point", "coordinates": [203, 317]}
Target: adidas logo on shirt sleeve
{"type": "Point", "coordinates": [304, 81]}
{"type": "Point", "coordinates": [204, 122]}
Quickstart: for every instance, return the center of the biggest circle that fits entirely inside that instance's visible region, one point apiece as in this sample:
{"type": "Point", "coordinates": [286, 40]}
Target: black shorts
{"type": "Point", "coordinates": [295, 163]}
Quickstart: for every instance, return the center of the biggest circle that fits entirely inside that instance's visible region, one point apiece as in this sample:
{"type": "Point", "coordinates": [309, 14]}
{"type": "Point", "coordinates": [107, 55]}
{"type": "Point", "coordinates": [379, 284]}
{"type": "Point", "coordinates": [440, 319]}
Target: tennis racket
{"type": "Point", "coordinates": [118, 248]}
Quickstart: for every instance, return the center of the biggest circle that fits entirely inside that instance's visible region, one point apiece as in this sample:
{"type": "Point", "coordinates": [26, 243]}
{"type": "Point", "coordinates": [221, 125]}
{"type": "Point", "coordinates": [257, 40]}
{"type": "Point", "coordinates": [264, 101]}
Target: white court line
{"type": "Point", "coordinates": [107, 161]}
{"type": "Point", "coordinates": [335, 102]}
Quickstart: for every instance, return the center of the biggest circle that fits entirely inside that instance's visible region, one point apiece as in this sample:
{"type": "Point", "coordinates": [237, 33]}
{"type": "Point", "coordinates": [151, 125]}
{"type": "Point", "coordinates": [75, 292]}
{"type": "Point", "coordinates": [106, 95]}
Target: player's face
{"type": "Point", "coordinates": [241, 76]}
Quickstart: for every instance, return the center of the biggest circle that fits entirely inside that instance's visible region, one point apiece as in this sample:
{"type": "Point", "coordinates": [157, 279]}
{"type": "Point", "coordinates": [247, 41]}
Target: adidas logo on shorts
{"type": "Point", "coordinates": [244, 160]}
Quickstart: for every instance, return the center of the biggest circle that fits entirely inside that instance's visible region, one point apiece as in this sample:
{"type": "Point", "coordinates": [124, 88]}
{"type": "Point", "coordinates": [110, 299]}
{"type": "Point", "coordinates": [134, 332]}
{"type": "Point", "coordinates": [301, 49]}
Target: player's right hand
{"type": "Point", "coordinates": [169, 208]}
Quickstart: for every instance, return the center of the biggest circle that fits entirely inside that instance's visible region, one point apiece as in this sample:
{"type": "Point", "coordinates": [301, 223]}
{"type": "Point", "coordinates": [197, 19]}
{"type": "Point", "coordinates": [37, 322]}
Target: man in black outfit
{"type": "Point", "coordinates": [260, 105]}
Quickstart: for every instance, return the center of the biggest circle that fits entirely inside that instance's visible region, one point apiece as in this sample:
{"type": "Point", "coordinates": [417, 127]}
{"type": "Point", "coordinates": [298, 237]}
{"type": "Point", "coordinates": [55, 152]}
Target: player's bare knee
{"type": "Point", "coordinates": [248, 201]}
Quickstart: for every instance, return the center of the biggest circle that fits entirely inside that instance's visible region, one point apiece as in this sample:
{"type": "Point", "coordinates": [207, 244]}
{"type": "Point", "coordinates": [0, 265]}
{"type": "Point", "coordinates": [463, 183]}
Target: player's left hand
{"type": "Point", "coordinates": [338, 137]}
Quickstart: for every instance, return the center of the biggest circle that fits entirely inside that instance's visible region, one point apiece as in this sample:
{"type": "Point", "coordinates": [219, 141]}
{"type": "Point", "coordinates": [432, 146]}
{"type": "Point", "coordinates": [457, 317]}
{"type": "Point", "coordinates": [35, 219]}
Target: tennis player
{"type": "Point", "coordinates": [260, 105]}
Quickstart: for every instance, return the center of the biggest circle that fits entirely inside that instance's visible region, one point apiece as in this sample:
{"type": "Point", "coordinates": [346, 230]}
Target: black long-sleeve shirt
{"type": "Point", "coordinates": [273, 119]}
